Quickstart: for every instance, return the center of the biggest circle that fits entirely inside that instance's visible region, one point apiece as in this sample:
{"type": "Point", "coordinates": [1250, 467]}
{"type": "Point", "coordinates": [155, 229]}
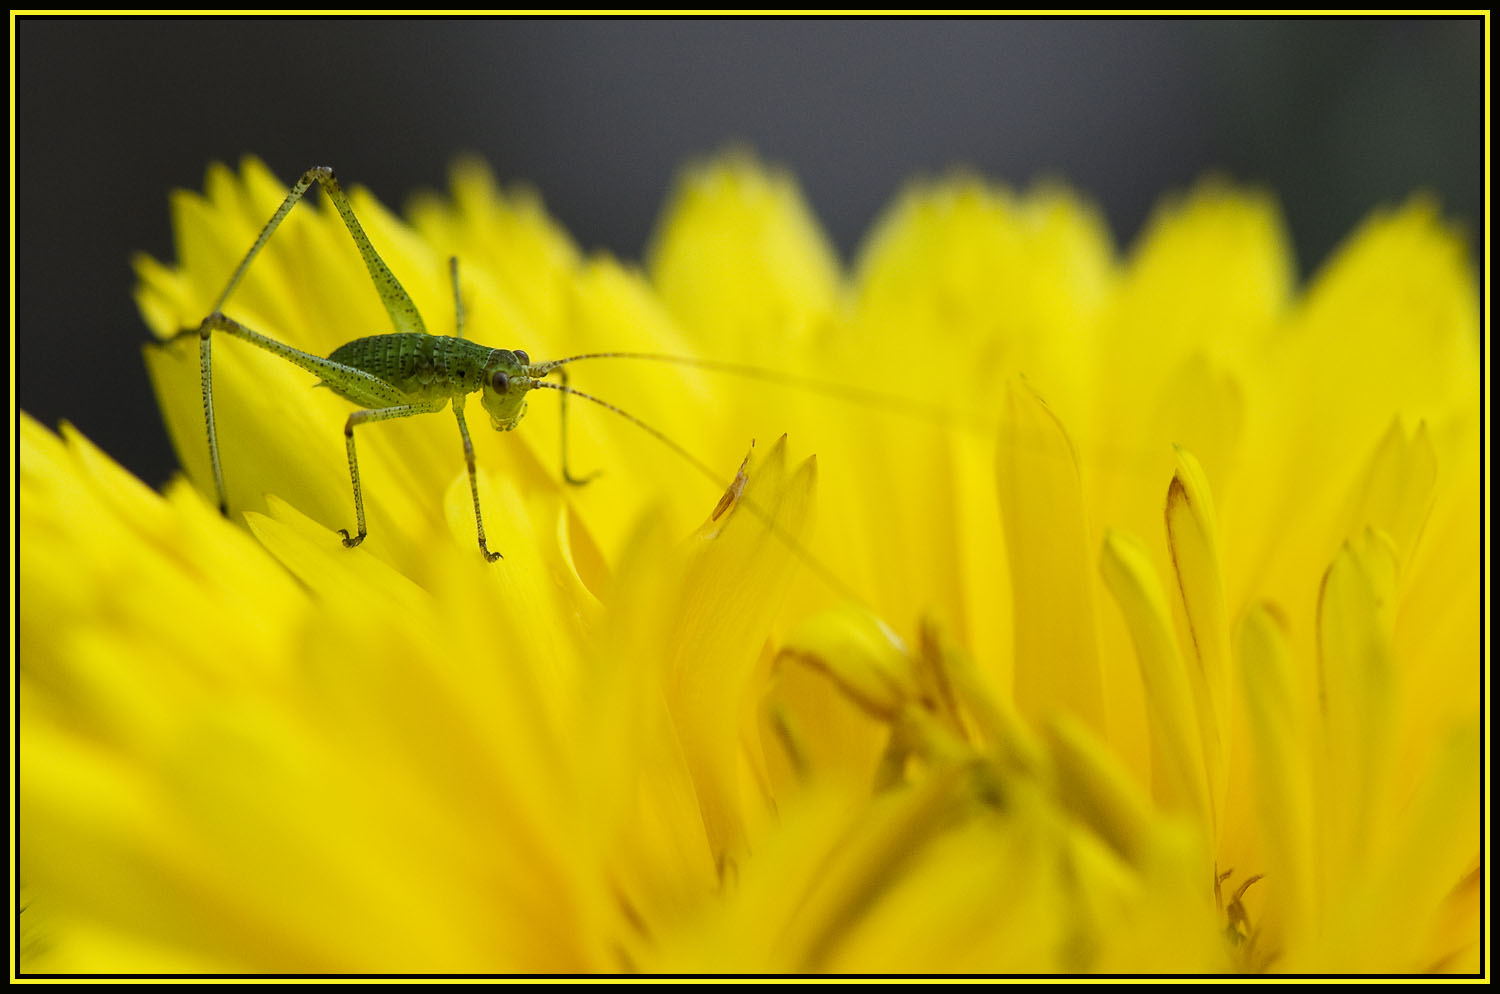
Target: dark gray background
{"type": "Point", "coordinates": [1335, 116]}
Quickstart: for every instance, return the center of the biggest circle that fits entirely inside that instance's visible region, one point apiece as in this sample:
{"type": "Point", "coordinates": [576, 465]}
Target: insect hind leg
{"type": "Point", "coordinates": [216, 321]}
{"type": "Point", "coordinates": [398, 303]}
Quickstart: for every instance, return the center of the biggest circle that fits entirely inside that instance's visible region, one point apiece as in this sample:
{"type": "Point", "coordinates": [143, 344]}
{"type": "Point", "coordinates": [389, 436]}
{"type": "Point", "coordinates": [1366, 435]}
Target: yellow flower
{"type": "Point", "coordinates": [1133, 632]}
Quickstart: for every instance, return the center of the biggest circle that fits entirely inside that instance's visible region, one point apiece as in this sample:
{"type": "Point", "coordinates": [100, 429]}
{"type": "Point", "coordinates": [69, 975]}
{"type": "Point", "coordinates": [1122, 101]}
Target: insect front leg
{"type": "Point", "coordinates": [359, 418]}
{"type": "Point", "coordinates": [463, 429]}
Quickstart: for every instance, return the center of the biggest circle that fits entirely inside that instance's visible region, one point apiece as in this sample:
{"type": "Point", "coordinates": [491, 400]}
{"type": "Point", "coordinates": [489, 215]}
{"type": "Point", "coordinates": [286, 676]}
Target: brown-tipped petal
{"type": "Point", "coordinates": [1192, 535]}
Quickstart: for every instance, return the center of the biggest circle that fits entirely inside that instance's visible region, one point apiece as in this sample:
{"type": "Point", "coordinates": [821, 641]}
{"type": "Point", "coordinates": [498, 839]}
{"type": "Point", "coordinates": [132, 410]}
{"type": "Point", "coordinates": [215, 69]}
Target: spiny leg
{"type": "Point", "coordinates": [347, 377]}
{"type": "Point", "coordinates": [463, 429]}
{"type": "Point", "coordinates": [398, 304]}
{"type": "Point", "coordinates": [359, 418]}
{"type": "Point", "coordinates": [206, 378]}
{"type": "Point", "coordinates": [458, 412]}
{"type": "Point", "coordinates": [562, 431]}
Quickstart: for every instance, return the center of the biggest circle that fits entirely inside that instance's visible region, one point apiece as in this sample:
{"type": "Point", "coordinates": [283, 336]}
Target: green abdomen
{"type": "Point", "coordinates": [423, 366]}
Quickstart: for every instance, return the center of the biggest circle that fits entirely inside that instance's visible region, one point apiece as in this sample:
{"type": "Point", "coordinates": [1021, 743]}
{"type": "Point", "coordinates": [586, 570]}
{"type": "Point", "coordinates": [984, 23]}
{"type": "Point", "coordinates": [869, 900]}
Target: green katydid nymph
{"type": "Point", "coordinates": [408, 371]}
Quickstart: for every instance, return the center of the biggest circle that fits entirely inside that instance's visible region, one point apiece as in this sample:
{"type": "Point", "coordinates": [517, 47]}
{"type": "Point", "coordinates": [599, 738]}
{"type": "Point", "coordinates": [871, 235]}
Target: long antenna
{"type": "Point", "coordinates": [915, 407]}
{"type": "Point", "coordinates": [968, 421]}
{"type": "Point", "coordinates": [827, 576]}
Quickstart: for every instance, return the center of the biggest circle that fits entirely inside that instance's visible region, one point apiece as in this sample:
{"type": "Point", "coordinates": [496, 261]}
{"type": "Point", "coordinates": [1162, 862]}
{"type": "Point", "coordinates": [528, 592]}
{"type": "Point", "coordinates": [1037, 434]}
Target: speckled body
{"type": "Point", "coordinates": [389, 376]}
{"type": "Point", "coordinates": [426, 371]}
{"type": "Point", "coordinates": [424, 367]}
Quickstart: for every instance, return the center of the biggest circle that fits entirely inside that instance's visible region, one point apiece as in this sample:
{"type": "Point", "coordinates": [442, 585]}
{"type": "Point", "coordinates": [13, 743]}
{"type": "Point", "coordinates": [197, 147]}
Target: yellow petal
{"type": "Point", "coordinates": [741, 262]}
{"type": "Point", "coordinates": [863, 657]}
{"type": "Point", "coordinates": [1216, 258]}
{"type": "Point", "coordinates": [515, 262]}
{"type": "Point", "coordinates": [1355, 667]}
{"type": "Point", "coordinates": [1282, 778]}
{"type": "Point", "coordinates": [1394, 492]}
{"type": "Point", "coordinates": [1093, 786]}
{"type": "Point", "coordinates": [1403, 280]}
{"type": "Point", "coordinates": [1192, 533]}
{"type": "Point", "coordinates": [1179, 779]}
{"type": "Point", "coordinates": [1046, 534]}
{"type": "Point", "coordinates": [968, 279]}
{"type": "Point", "coordinates": [732, 589]}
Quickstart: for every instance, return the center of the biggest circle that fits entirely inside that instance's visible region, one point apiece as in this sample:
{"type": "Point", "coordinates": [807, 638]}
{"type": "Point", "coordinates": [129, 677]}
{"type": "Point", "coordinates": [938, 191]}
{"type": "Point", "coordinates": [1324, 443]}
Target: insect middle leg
{"type": "Point", "coordinates": [359, 418]}
{"type": "Point", "coordinates": [463, 430]}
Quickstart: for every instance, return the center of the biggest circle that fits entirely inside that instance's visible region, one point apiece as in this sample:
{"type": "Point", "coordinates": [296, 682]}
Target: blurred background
{"type": "Point", "coordinates": [1335, 116]}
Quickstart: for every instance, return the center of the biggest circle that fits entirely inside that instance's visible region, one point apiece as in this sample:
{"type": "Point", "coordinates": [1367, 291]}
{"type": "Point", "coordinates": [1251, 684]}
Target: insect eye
{"type": "Point", "coordinates": [523, 358]}
{"type": "Point", "coordinates": [500, 381]}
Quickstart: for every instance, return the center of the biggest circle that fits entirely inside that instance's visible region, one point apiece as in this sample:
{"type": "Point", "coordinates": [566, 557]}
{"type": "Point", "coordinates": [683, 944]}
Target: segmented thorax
{"type": "Point", "coordinates": [425, 367]}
